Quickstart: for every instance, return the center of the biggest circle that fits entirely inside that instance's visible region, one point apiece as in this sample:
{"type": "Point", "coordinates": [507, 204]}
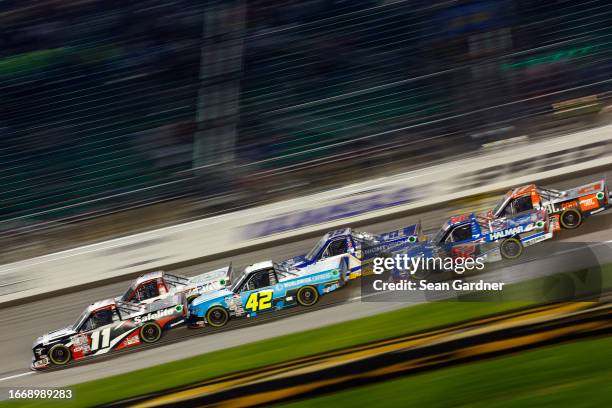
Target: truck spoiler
{"type": "Point", "coordinates": [590, 188]}
{"type": "Point", "coordinates": [413, 230]}
{"type": "Point", "coordinates": [217, 279]}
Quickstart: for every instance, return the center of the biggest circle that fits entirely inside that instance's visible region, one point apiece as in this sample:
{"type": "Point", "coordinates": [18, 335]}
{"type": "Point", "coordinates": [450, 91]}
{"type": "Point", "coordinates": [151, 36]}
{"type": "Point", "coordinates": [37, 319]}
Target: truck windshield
{"type": "Point", "coordinates": [80, 320]}
{"type": "Point", "coordinates": [315, 250]}
{"type": "Point", "coordinates": [128, 292]}
{"type": "Point", "coordinates": [236, 281]}
{"type": "Point", "coordinates": [501, 203]}
{"type": "Point", "coordinates": [441, 232]}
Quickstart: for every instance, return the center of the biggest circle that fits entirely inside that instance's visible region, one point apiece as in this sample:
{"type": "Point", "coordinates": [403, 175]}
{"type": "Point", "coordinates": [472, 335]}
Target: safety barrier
{"type": "Point", "coordinates": [305, 215]}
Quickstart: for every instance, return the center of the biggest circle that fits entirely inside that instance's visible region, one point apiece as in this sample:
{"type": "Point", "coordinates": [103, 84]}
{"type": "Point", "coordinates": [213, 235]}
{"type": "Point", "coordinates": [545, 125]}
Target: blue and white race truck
{"type": "Point", "coordinates": [360, 248]}
{"type": "Point", "coordinates": [267, 287]}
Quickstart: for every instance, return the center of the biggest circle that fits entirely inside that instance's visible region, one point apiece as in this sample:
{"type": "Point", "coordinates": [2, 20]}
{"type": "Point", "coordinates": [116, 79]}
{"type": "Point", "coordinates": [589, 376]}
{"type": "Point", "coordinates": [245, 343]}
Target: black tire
{"type": "Point", "coordinates": [150, 332]}
{"type": "Point", "coordinates": [570, 218]}
{"type": "Point", "coordinates": [511, 248]}
{"type": "Point", "coordinates": [217, 316]}
{"type": "Point", "coordinates": [307, 296]}
{"type": "Point", "coordinates": [59, 354]}
{"type": "Point", "coordinates": [192, 298]}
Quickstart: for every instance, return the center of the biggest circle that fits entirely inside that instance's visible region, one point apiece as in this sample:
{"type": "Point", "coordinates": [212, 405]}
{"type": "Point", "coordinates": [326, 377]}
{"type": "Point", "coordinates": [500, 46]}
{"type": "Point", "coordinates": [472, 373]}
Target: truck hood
{"type": "Point", "coordinates": [54, 335]}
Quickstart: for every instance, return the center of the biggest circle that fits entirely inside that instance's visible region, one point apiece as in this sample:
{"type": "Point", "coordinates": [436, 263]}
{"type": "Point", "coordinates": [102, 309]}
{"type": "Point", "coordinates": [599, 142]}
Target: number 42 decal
{"type": "Point", "coordinates": [259, 301]}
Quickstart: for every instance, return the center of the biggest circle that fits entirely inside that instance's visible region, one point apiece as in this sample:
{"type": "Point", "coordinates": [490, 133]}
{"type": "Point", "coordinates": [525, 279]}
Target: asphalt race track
{"type": "Point", "coordinates": [23, 323]}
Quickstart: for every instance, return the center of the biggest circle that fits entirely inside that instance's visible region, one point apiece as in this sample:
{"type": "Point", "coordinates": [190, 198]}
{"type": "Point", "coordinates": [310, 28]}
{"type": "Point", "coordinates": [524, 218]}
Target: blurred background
{"type": "Point", "coordinates": [119, 116]}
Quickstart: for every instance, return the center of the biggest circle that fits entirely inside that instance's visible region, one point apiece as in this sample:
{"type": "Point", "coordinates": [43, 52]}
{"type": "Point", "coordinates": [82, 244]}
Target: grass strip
{"type": "Point", "coordinates": [569, 375]}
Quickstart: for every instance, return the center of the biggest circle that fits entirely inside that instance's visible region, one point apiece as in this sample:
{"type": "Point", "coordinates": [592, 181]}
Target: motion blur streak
{"type": "Point", "coordinates": [459, 344]}
{"type": "Point", "coordinates": [177, 110]}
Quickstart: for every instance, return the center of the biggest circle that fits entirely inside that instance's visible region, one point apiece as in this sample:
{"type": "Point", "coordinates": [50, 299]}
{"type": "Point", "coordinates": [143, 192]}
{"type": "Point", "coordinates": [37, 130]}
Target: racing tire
{"type": "Point", "coordinates": [150, 332]}
{"type": "Point", "coordinates": [59, 354]}
{"type": "Point", "coordinates": [192, 298]}
{"type": "Point", "coordinates": [511, 248]}
{"type": "Point", "coordinates": [307, 296]}
{"type": "Point", "coordinates": [217, 316]}
{"type": "Point", "coordinates": [570, 218]}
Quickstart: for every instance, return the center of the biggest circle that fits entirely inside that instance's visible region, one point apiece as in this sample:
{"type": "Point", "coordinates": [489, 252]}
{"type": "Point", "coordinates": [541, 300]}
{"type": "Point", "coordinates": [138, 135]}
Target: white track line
{"type": "Point", "coordinates": [16, 376]}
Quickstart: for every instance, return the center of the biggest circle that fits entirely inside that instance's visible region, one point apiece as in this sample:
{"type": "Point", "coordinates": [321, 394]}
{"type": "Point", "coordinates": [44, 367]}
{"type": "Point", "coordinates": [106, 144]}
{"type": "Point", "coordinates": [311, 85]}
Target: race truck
{"type": "Point", "coordinates": [154, 286]}
{"type": "Point", "coordinates": [566, 208]}
{"type": "Point", "coordinates": [266, 287]}
{"type": "Point", "coordinates": [360, 247]}
{"type": "Point", "coordinates": [473, 236]}
{"type": "Point", "coordinates": [106, 326]}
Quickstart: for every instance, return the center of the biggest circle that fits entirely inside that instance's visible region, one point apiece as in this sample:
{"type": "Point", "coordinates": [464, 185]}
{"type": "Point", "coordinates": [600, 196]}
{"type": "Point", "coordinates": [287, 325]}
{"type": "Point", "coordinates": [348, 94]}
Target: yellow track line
{"type": "Point", "coordinates": [308, 364]}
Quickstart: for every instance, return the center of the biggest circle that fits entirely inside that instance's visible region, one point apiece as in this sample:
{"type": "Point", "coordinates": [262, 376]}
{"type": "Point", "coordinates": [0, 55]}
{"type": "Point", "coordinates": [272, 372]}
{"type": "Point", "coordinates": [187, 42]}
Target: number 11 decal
{"type": "Point", "coordinates": [95, 339]}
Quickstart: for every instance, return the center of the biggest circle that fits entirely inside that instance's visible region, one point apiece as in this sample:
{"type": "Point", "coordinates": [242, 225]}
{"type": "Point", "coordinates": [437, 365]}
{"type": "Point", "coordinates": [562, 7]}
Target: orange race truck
{"type": "Point", "coordinates": [566, 208]}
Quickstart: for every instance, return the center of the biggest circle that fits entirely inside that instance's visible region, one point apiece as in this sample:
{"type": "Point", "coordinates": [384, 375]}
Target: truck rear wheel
{"type": "Point", "coordinates": [59, 354]}
{"type": "Point", "coordinates": [570, 218]}
{"type": "Point", "coordinates": [150, 332]}
{"type": "Point", "coordinates": [307, 296]}
{"type": "Point", "coordinates": [511, 248]}
{"type": "Point", "coordinates": [217, 316]}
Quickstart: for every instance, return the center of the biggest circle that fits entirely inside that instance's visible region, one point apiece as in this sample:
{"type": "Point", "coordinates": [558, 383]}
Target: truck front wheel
{"type": "Point", "coordinates": [217, 316]}
{"type": "Point", "coordinates": [511, 248]}
{"type": "Point", "coordinates": [59, 354]}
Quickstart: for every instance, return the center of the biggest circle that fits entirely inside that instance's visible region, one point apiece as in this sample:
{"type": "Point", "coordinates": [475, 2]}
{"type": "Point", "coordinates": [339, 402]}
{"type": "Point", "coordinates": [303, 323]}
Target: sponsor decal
{"type": "Point", "coordinates": [600, 195]}
{"type": "Point", "coordinates": [43, 362]}
{"type": "Point", "coordinates": [234, 304]}
{"type": "Point", "coordinates": [569, 204]}
{"type": "Point", "coordinates": [588, 189]}
{"type": "Point", "coordinates": [508, 232]}
{"type": "Point", "coordinates": [209, 286]}
{"type": "Point", "coordinates": [309, 279]}
{"type": "Point", "coordinates": [589, 202]}
{"type": "Point", "coordinates": [157, 314]}
{"type": "Point", "coordinates": [81, 343]}
{"type": "Point", "coordinates": [131, 340]}
{"type": "Point", "coordinates": [551, 207]}
{"type": "Point", "coordinates": [535, 240]}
